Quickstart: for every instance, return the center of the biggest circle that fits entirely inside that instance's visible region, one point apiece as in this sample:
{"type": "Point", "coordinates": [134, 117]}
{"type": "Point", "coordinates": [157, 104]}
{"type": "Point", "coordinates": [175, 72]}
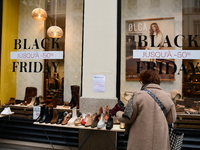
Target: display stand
{"type": "Point", "coordinates": [1, 116]}
{"type": "Point", "coordinates": [115, 128]}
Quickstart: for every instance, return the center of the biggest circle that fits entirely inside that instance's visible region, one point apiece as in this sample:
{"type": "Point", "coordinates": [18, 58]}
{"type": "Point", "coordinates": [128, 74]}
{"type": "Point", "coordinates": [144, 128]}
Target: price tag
{"type": "Point", "coordinates": [36, 112]}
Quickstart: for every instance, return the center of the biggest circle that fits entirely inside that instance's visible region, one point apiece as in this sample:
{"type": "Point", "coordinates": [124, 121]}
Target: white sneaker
{"type": "Point", "coordinates": [6, 111]}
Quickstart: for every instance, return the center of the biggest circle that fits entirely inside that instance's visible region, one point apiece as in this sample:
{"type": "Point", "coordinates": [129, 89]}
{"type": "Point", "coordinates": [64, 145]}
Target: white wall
{"type": "Point", "coordinates": [99, 52]}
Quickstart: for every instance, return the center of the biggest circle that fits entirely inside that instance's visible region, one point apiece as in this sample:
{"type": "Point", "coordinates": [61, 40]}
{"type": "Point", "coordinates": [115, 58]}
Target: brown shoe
{"type": "Point", "coordinates": [55, 116]}
{"type": "Point", "coordinates": [66, 118]}
{"type": "Point", "coordinates": [11, 101]}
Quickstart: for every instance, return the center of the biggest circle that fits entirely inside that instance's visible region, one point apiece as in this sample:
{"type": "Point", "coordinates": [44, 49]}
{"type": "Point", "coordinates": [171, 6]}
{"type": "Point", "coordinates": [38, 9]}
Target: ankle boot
{"type": "Point", "coordinates": [60, 117]}
{"type": "Point", "coordinates": [50, 115]}
{"type": "Point", "coordinates": [45, 115]}
{"type": "Point", "coordinates": [74, 117]}
{"type": "Point", "coordinates": [75, 96]}
{"type": "Point", "coordinates": [118, 107]}
{"type": "Point", "coordinates": [42, 108]}
{"type": "Point", "coordinates": [109, 124]}
{"type": "Point", "coordinates": [55, 116]}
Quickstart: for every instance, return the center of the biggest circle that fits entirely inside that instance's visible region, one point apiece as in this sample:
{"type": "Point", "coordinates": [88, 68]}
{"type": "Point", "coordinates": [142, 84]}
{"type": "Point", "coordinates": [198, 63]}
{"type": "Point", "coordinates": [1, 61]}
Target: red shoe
{"type": "Point", "coordinates": [118, 107]}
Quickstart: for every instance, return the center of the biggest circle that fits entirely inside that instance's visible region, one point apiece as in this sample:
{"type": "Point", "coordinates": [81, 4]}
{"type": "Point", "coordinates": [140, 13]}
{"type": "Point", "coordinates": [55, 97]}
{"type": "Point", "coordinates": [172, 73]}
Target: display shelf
{"type": "Point", "coordinates": [189, 121]}
{"type": "Point", "coordinates": [115, 128]}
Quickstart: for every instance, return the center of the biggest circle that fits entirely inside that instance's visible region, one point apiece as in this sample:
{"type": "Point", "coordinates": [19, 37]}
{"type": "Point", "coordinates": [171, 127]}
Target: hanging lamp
{"type": "Point", "coordinates": [39, 14]}
{"type": "Point", "coordinates": [55, 31]}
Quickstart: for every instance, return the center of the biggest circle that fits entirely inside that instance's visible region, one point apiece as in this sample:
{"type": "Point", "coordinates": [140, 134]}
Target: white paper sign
{"type": "Point", "coordinates": [99, 83]}
{"type": "Point", "coordinates": [36, 112]}
{"type": "Point", "coordinates": [167, 54]}
{"type": "Point", "coordinates": [37, 55]}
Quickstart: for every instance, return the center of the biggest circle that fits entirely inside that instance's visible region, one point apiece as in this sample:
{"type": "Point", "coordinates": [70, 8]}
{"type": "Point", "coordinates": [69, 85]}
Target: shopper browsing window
{"type": "Point", "coordinates": [148, 124]}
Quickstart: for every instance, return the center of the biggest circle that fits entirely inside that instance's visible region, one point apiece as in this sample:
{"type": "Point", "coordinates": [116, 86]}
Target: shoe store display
{"type": "Point", "coordinates": [6, 111]}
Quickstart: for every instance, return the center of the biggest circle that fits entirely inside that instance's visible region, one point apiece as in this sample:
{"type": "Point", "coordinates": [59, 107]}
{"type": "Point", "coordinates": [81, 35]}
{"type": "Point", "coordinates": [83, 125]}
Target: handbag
{"type": "Point", "coordinates": [175, 137]}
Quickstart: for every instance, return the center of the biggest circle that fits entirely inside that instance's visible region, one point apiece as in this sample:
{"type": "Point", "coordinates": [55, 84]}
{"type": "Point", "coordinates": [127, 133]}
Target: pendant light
{"type": "Point", "coordinates": [55, 31]}
{"type": "Point", "coordinates": [39, 14]}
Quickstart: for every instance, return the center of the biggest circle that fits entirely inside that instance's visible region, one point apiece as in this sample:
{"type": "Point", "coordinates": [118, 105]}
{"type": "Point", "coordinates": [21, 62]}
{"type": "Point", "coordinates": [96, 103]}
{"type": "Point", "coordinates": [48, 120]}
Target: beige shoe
{"type": "Point", "coordinates": [88, 120]}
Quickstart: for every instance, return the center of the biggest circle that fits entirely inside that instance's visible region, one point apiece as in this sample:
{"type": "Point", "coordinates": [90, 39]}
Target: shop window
{"type": "Point", "coordinates": [181, 74]}
{"type": "Point", "coordinates": [30, 58]}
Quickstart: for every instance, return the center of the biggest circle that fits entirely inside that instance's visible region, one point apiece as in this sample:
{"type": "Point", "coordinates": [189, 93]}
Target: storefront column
{"type": "Point", "coordinates": [99, 58]}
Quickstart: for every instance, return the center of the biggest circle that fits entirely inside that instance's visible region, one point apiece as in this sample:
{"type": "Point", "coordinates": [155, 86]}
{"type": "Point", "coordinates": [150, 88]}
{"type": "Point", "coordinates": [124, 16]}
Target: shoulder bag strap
{"type": "Point", "coordinates": [157, 101]}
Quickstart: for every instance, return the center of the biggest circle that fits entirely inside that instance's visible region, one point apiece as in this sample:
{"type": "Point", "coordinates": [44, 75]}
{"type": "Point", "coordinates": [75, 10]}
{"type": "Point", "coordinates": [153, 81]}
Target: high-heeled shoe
{"type": "Point", "coordinates": [88, 120]}
{"type": "Point", "coordinates": [74, 116]}
{"type": "Point", "coordinates": [101, 122]}
{"type": "Point", "coordinates": [95, 121]}
{"type": "Point", "coordinates": [109, 124]}
{"type": "Point", "coordinates": [78, 120]}
{"type": "Point", "coordinates": [106, 116]}
{"type": "Point", "coordinates": [12, 101]}
{"type": "Point", "coordinates": [32, 101]}
{"type": "Point", "coordinates": [66, 118]}
{"type": "Point", "coordinates": [118, 107]}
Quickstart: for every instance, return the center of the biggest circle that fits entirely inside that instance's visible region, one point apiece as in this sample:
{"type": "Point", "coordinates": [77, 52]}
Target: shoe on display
{"type": "Point", "coordinates": [74, 117]}
{"type": "Point", "coordinates": [101, 122]}
{"type": "Point", "coordinates": [6, 111]}
{"type": "Point", "coordinates": [109, 124]}
{"type": "Point", "coordinates": [61, 116]}
{"type": "Point", "coordinates": [32, 101]}
{"type": "Point", "coordinates": [88, 120]}
{"type": "Point", "coordinates": [12, 101]}
{"type": "Point", "coordinates": [66, 118]}
{"type": "Point", "coordinates": [55, 117]}
{"type": "Point", "coordinates": [42, 109]}
{"type": "Point", "coordinates": [118, 107]}
{"type": "Point", "coordinates": [95, 121]}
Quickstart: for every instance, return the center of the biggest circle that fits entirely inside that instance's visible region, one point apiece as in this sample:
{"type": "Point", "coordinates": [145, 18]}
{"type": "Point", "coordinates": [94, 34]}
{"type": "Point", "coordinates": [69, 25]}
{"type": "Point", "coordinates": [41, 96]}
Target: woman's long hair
{"type": "Point", "coordinates": [157, 29]}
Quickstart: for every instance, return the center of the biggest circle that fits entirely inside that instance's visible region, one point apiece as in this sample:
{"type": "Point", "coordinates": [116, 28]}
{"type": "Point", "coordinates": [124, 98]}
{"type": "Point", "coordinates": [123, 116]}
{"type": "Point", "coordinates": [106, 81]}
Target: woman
{"type": "Point", "coordinates": [149, 125]}
{"type": "Point", "coordinates": [156, 37]}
